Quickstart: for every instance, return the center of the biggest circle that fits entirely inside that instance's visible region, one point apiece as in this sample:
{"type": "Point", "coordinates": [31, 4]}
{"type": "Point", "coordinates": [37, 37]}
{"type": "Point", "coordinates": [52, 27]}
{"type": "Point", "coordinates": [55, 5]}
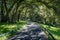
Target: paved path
{"type": "Point", "coordinates": [31, 31]}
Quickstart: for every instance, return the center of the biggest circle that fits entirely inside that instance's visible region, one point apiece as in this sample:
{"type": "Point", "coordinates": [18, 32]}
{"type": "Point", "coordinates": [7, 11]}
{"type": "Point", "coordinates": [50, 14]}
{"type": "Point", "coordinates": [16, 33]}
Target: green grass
{"type": "Point", "coordinates": [55, 31]}
{"type": "Point", "coordinates": [8, 29]}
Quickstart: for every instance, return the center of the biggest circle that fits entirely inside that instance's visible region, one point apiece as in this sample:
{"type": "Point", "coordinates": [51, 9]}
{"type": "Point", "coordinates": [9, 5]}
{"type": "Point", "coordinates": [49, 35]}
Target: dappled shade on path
{"type": "Point", "coordinates": [31, 31]}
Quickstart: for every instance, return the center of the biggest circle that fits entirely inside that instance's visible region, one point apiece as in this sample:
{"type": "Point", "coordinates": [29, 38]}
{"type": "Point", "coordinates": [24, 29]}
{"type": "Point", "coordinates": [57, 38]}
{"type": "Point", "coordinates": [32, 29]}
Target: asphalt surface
{"type": "Point", "coordinates": [31, 31]}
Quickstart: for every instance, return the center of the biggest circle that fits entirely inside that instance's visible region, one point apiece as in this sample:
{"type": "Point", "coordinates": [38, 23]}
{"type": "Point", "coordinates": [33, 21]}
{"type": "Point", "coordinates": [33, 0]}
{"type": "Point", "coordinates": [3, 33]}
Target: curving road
{"type": "Point", "coordinates": [31, 31]}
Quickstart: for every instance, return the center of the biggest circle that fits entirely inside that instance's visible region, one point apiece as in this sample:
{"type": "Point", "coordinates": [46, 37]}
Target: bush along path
{"type": "Point", "coordinates": [31, 31]}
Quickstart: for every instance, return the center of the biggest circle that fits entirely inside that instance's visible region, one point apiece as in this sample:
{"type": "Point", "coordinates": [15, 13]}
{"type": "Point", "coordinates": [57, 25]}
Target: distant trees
{"type": "Point", "coordinates": [6, 8]}
{"type": "Point", "coordinates": [43, 11]}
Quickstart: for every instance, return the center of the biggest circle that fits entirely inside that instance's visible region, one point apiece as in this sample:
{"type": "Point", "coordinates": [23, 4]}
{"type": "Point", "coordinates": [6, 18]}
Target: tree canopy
{"type": "Point", "coordinates": [43, 11]}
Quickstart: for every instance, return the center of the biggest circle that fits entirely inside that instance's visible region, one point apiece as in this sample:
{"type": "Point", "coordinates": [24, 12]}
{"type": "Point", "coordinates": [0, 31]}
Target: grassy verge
{"type": "Point", "coordinates": [55, 31]}
{"type": "Point", "coordinates": [8, 29]}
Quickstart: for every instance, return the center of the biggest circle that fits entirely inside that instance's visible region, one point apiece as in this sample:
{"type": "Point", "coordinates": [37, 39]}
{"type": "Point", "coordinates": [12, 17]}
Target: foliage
{"type": "Point", "coordinates": [43, 11]}
{"type": "Point", "coordinates": [7, 30]}
{"type": "Point", "coordinates": [55, 31]}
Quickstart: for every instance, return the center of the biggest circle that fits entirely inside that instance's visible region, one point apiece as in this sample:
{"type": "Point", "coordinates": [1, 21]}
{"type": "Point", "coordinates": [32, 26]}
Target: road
{"type": "Point", "coordinates": [31, 31]}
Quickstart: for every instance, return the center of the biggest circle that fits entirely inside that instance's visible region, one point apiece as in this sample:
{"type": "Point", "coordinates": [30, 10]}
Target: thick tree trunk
{"type": "Point", "coordinates": [2, 11]}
